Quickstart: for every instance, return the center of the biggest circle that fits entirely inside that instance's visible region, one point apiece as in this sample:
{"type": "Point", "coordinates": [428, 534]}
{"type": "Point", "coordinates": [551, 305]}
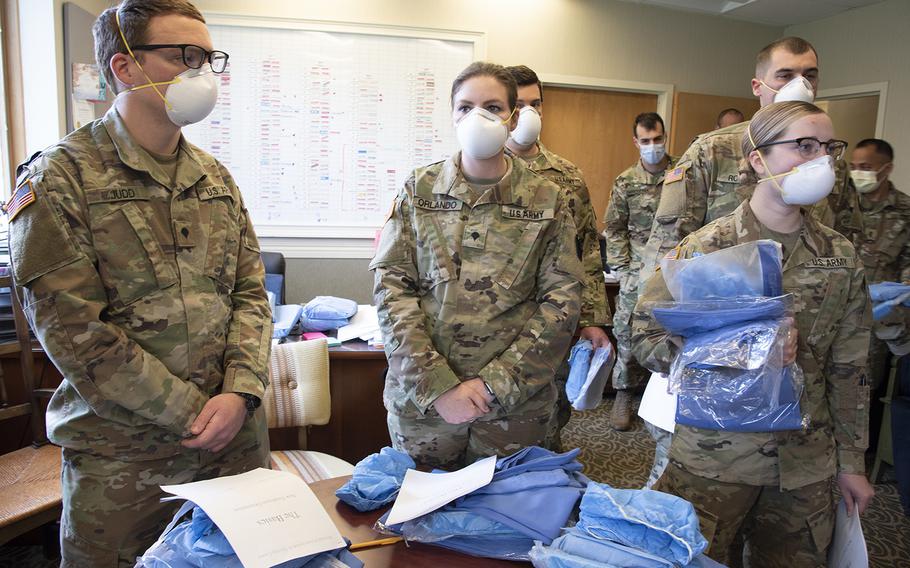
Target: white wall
{"type": "Point", "coordinates": [869, 45]}
{"type": "Point", "coordinates": [603, 39]}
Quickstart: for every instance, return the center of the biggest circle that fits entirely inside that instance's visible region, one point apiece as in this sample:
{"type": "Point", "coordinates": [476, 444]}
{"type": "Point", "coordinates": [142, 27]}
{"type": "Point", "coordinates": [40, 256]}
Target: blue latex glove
{"type": "Point", "coordinates": [882, 291]}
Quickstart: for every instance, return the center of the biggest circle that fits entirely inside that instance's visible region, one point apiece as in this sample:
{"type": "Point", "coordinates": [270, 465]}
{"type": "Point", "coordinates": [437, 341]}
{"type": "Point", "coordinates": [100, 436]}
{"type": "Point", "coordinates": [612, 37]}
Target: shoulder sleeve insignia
{"type": "Point", "coordinates": [24, 196]}
{"type": "Point", "coordinates": [676, 174]}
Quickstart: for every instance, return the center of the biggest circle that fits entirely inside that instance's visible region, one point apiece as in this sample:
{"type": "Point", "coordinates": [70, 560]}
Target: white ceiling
{"type": "Point", "coordinates": [772, 12]}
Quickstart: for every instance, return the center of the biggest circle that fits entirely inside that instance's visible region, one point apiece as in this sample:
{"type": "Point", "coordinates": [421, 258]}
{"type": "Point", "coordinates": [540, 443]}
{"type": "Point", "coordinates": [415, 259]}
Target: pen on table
{"type": "Point", "coordinates": [379, 542]}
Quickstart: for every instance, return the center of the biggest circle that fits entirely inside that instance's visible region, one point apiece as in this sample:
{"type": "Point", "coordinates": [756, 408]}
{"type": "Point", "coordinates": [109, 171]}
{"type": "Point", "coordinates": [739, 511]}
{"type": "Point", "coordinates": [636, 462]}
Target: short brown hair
{"type": "Point", "coordinates": [792, 44]}
{"type": "Point", "coordinates": [525, 76]}
{"type": "Point", "coordinates": [486, 69]}
{"type": "Point", "coordinates": [135, 16]}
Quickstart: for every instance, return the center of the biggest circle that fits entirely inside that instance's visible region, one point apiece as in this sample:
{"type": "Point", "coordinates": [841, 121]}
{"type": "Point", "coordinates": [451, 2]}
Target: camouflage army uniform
{"type": "Point", "coordinates": [707, 184]}
{"type": "Point", "coordinates": [630, 213]}
{"type": "Point", "coordinates": [883, 244]}
{"type": "Point", "coordinates": [147, 294]}
{"type": "Point", "coordinates": [766, 470]}
{"type": "Point", "coordinates": [470, 286]}
{"type": "Point", "coordinates": [595, 311]}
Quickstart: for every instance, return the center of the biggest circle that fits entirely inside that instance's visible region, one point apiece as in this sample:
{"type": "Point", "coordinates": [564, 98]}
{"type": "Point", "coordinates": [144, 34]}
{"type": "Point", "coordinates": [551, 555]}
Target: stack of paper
{"type": "Point", "coordinates": [364, 325]}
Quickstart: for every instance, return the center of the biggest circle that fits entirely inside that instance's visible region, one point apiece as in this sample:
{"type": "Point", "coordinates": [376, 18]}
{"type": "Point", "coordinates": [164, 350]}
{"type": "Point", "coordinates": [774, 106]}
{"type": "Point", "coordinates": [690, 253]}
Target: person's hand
{"type": "Point", "coordinates": [218, 422]}
{"type": "Point", "coordinates": [857, 491]}
{"type": "Point", "coordinates": [596, 335]}
{"type": "Point", "coordinates": [466, 402]}
{"type": "Point", "coordinates": [792, 342]}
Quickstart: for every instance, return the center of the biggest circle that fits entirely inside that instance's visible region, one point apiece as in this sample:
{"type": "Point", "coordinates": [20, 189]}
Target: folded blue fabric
{"type": "Point", "coordinates": [579, 363]}
{"type": "Point", "coordinates": [199, 543]}
{"type": "Point", "coordinates": [883, 291]}
{"type": "Point", "coordinates": [376, 480]}
{"type": "Point", "coordinates": [285, 318]}
{"type": "Point", "coordinates": [658, 523]}
{"type": "Point", "coordinates": [503, 518]}
{"type": "Point", "coordinates": [692, 318]}
{"type": "Point", "coordinates": [313, 324]}
{"type": "Point", "coordinates": [589, 370]}
{"type": "Point", "coordinates": [330, 308]}
{"type": "Point", "coordinates": [578, 550]}
{"type": "Point", "coordinates": [749, 269]}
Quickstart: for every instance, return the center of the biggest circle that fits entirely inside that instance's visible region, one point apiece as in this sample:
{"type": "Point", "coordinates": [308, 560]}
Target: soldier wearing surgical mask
{"type": "Point", "coordinates": [883, 243]}
{"type": "Point", "coordinates": [142, 279]}
{"type": "Point", "coordinates": [627, 226]}
{"type": "Point", "coordinates": [477, 288]}
{"type": "Point", "coordinates": [524, 142]}
{"type": "Point", "coordinates": [706, 183]}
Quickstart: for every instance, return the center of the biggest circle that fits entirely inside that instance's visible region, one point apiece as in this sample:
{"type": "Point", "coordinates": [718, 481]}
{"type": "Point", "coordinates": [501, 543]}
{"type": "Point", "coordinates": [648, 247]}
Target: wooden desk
{"type": "Point", "coordinates": [358, 527]}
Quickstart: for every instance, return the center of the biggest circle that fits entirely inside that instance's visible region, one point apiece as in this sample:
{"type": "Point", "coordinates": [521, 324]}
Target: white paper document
{"type": "Point", "coordinates": [269, 517]}
{"type": "Point", "coordinates": [365, 323]}
{"type": "Point", "coordinates": [658, 407]}
{"type": "Point", "coordinates": [848, 547]}
{"type": "Point", "coordinates": [423, 493]}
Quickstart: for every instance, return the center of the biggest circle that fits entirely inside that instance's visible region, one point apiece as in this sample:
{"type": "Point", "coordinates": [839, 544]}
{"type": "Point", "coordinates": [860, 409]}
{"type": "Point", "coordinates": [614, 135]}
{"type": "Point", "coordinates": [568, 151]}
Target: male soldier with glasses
{"type": "Point", "coordinates": [142, 280]}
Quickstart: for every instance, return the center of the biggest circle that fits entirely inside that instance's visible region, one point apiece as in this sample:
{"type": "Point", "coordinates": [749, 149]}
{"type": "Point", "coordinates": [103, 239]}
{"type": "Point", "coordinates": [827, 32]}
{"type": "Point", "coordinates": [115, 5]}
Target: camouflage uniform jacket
{"type": "Point", "coordinates": [833, 315]}
{"type": "Point", "coordinates": [883, 243]}
{"type": "Point", "coordinates": [629, 216]}
{"type": "Point", "coordinates": [595, 310]}
{"type": "Point", "coordinates": [709, 182]}
{"type": "Point", "coordinates": [145, 292]}
{"type": "Point", "coordinates": [489, 290]}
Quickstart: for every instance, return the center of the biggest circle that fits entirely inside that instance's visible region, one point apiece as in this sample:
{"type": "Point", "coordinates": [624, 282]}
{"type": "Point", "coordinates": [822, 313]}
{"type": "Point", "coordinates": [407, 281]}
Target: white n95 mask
{"type": "Point", "coordinates": [482, 134]}
{"type": "Point", "coordinates": [807, 183]}
{"type": "Point", "coordinates": [652, 153]}
{"type": "Point", "coordinates": [798, 89]}
{"type": "Point", "coordinates": [189, 97]}
{"type": "Point", "coordinates": [528, 128]}
{"type": "Point", "coordinates": [866, 181]}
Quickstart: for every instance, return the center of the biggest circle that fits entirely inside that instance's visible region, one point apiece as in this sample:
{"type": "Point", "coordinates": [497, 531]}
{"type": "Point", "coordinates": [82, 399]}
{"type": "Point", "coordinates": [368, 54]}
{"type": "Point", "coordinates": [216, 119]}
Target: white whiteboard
{"type": "Point", "coordinates": [320, 125]}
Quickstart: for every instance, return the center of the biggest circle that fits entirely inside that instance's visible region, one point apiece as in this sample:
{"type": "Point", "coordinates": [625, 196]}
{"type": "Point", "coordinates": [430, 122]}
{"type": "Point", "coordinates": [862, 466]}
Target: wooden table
{"type": "Point", "coordinates": [358, 527]}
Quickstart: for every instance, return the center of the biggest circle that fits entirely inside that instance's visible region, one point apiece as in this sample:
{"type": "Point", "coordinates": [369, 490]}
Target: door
{"type": "Point", "coordinates": [593, 129]}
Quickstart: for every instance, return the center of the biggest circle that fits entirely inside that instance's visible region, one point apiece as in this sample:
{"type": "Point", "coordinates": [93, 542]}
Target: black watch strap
{"type": "Point", "coordinates": [252, 401]}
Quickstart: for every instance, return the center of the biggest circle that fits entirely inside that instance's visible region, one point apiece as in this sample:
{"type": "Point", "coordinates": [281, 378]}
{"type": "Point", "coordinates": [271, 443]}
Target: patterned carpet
{"type": "Point", "coordinates": [623, 459]}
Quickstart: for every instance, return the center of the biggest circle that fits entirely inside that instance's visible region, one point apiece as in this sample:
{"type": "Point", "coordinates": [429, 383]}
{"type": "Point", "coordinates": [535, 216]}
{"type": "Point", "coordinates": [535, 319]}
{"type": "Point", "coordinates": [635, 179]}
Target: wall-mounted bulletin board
{"type": "Point", "coordinates": [320, 124]}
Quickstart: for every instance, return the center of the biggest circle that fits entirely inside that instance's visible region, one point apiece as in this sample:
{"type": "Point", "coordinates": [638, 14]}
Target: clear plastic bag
{"type": "Point", "coordinates": [729, 373]}
{"type": "Point", "coordinates": [749, 269]}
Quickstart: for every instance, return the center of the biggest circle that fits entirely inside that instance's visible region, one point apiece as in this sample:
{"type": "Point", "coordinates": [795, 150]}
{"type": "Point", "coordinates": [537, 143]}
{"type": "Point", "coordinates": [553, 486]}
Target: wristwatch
{"type": "Point", "coordinates": [252, 402]}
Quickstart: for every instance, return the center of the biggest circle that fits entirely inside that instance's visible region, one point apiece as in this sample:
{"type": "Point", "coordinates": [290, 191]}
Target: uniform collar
{"type": "Point", "coordinates": [641, 175]}
{"type": "Point", "coordinates": [510, 190]}
{"type": "Point", "coordinates": [189, 168]}
{"type": "Point", "coordinates": [809, 245]}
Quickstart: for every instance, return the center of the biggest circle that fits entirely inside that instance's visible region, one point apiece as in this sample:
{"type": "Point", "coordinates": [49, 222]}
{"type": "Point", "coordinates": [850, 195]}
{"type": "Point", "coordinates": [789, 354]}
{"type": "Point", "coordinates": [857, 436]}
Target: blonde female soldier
{"type": "Point", "coordinates": [776, 487]}
{"type": "Point", "coordinates": [478, 290]}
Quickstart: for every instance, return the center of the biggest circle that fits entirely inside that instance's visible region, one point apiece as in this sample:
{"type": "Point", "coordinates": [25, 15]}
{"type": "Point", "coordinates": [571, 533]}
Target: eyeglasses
{"type": "Point", "coordinates": [193, 55]}
{"type": "Point", "coordinates": [808, 147]}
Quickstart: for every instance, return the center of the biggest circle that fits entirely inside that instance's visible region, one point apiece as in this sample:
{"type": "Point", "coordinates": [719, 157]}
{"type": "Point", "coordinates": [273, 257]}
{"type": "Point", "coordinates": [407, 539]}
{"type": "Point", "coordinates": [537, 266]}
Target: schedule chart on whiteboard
{"type": "Point", "coordinates": [320, 129]}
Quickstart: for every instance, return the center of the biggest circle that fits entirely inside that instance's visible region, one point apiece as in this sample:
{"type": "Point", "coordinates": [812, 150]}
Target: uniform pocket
{"type": "Point", "coordinates": [821, 527]}
{"type": "Point", "coordinates": [515, 272]}
{"type": "Point", "coordinates": [830, 311]}
{"type": "Point", "coordinates": [223, 243]}
{"type": "Point", "coordinates": [130, 260]}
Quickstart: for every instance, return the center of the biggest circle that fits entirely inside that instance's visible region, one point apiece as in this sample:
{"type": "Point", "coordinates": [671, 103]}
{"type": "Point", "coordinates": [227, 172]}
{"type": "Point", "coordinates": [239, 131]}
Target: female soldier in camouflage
{"type": "Point", "coordinates": [776, 487]}
{"type": "Point", "coordinates": [478, 290]}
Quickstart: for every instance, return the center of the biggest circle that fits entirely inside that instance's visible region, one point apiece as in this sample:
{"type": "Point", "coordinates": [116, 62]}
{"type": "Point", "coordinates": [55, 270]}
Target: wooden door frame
{"type": "Point", "coordinates": [664, 91]}
{"type": "Point", "coordinates": [867, 89]}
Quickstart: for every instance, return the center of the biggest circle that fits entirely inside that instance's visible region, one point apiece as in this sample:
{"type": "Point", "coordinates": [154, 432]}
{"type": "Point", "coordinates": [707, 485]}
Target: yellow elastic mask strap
{"type": "Point", "coordinates": [511, 114]}
{"type": "Point", "coordinates": [150, 83]}
{"type": "Point", "coordinates": [764, 163]}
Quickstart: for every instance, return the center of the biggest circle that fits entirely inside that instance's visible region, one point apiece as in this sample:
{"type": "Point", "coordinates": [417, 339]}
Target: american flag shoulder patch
{"type": "Point", "coordinates": [24, 196]}
{"type": "Point", "coordinates": [675, 174]}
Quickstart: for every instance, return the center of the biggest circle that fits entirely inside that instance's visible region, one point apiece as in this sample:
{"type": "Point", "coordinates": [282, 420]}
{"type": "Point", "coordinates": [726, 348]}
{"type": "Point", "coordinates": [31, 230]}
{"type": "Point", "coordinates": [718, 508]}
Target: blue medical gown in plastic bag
{"type": "Point", "coordinates": [748, 269]}
{"type": "Point", "coordinates": [531, 497]}
{"type": "Point", "coordinates": [197, 542]}
{"type": "Point", "coordinates": [589, 370]}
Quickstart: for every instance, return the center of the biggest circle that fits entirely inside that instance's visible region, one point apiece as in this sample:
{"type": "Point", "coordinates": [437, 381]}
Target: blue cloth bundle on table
{"type": "Point", "coordinates": [589, 370]}
{"type": "Point", "coordinates": [636, 528]}
{"type": "Point", "coordinates": [376, 480]}
{"type": "Point", "coordinates": [886, 295]}
{"type": "Point", "coordinates": [531, 497]}
{"type": "Point", "coordinates": [285, 318]}
{"type": "Point", "coordinates": [197, 542]}
{"type": "Point", "coordinates": [323, 313]}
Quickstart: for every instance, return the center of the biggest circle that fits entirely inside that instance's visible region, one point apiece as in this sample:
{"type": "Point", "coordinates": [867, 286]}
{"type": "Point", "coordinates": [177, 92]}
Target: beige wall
{"type": "Point", "coordinates": [869, 45]}
{"type": "Point", "coordinates": [853, 118]}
